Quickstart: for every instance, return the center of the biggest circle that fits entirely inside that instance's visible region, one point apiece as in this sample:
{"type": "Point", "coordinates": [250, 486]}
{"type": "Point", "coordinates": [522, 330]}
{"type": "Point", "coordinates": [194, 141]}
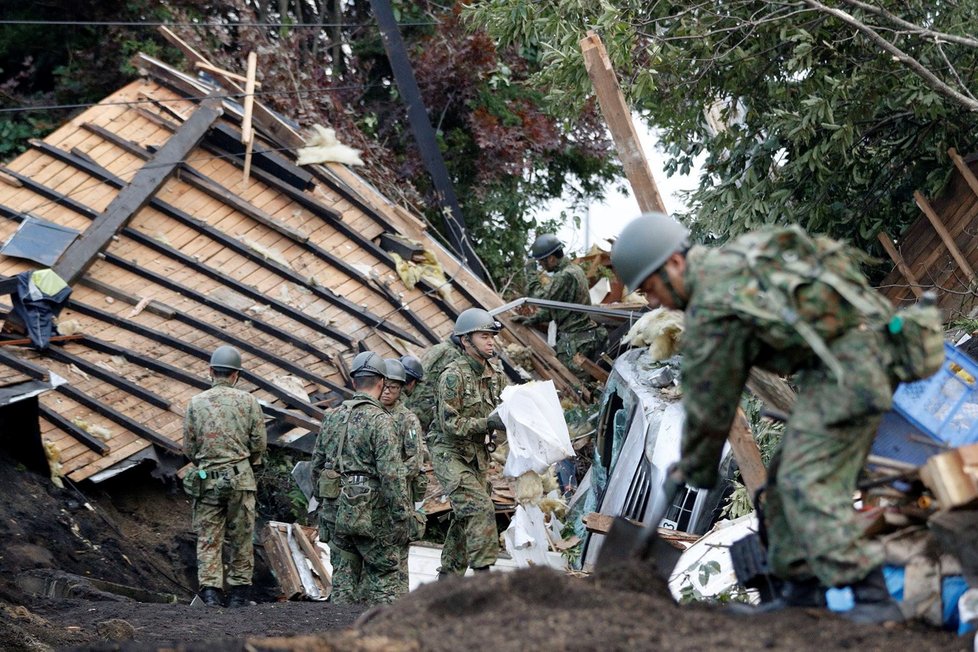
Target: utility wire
{"type": "Point", "coordinates": [114, 23]}
{"type": "Point", "coordinates": [228, 96]}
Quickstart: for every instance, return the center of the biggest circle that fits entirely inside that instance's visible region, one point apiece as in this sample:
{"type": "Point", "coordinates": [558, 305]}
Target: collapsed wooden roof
{"type": "Point", "coordinates": [287, 268]}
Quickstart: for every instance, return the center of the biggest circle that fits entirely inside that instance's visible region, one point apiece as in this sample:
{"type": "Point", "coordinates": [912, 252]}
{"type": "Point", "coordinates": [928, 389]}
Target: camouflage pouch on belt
{"type": "Point", "coordinates": [917, 336]}
{"type": "Point", "coordinates": [192, 481]}
{"type": "Point", "coordinates": [354, 510]}
{"type": "Point", "coordinates": [329, 484]}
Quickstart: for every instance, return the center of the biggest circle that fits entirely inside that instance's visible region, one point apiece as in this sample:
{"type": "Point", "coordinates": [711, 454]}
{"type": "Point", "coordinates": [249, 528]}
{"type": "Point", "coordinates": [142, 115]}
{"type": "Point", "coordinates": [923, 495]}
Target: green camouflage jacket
{"type": "Point", "coordinates": [468, 391]}
{"type": "Point", "coordinates": [224, 426]}
{"type": "Point", "coordinates": [568, 284]}
{"type": "Point", "coordinates": [422, 400]}
{"type": "Point", "coordinates": [725, 335]}
{"type": "Point", "coordinates": [371, 448]}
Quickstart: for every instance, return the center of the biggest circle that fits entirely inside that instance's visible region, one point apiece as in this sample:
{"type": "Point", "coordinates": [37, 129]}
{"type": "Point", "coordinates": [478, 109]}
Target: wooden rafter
{"type": "Point", "coordinates": [80, 255]}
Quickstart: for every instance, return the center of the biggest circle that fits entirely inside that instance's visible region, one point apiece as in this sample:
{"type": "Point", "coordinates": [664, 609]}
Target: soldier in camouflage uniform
{"type": "Point", "coordinates": [359, 474]}
{"type": "Point", "coordinates": [421, 401]}
{"type": "Point", "coordinates": [224, 437]}
{"type": "Point", "coordinates": [468, 391]}
{"type": "Point", "coordinates": [576, 331]}
{"type": "Point", "coordinates": [735, 320]}
{"type": "Point", "coordinates": [413, 450]}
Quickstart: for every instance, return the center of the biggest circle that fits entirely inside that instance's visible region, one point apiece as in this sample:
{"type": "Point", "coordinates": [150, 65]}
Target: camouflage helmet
{"type": "Point", "coordinates": [226, 357]}
{"type": "Point", "coordinates": [644, 245]}
{"type": "Point", "coordinates": [544, 245]}
{"type": "Point", "coordinates": [476, 320]}
{"type": "Point", "coordinates": [413, 367]}
{"type": "Point", "coordinates": [368, 363]}
{"type": "Point", "coordinates": [395, 370]}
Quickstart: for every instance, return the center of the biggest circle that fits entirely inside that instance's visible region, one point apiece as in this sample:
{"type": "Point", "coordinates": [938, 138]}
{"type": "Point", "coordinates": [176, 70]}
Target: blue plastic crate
{"type": "Point", "coordinates": [945, 406]}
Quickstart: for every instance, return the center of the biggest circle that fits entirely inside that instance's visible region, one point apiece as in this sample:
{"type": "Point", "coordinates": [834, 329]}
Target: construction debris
{"type": "Point", "coordinates": [298, 560]}
{"type": "Point", "coordinates": [661, 330]}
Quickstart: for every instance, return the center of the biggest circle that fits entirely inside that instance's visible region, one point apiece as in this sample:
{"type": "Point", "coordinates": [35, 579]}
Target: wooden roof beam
{"type": "Point", "coordinates": [217, 191]}
{"type": "Point", "coordinates": [93, 443]}
{"type": "Point", "coordinates": [901, 264]}
{"type": "Point", "coordinates": [174, 254]}
{"type": "Point", "coordinates": [119, 418]}
{"type": "Point", "coordinates": [87, 165]}
{"type": "Point", "coordinates": [195, 351]}
{"type": "Point", "coordinates": [80, 255]}
{"type": "Point", "coordinates": [942, 232]}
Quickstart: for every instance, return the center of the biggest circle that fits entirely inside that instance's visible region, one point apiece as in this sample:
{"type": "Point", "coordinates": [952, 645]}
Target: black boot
{"type": "Point", "coordinates": [480, 569]}
{"type": "Point", "coordinates": [239, 596]}
{"type": "Point", "coordinates": [211, 596]}
{"type": "Point", "coordinates": [803, 593]}
{"type": "Point", "coordinates": [873, 604]}
{"type": "Point", "coordinates": [809, 593]}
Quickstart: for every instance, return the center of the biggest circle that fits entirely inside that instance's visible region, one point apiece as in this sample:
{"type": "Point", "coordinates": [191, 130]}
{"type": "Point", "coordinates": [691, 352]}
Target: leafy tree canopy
{"type": "Point", "coordinates": [829, 114]}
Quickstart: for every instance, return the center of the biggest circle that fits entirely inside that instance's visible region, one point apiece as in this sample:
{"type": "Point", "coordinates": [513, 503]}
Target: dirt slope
{"type": "Point", "coordinates": [138, 534]}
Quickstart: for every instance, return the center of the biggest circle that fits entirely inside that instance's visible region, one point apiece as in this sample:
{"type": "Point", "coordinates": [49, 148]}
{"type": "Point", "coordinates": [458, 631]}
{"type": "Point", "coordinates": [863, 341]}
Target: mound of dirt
{"type": "Point", "coordinates": [623, 609]}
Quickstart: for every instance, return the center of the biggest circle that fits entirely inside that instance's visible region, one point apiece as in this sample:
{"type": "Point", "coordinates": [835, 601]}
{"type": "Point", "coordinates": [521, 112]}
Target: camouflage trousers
{"type": "Point", "coordinates": [228, 517]}
{"type": "Point", "coordinates": [365, 570]}
{"type": "Point", "coordinates": [813, 529]}
{"type": "Point", "coordinates": [472, 538]}
{"type": "Point", "coordinates": [588, 343]}
{"type": "Point", "coordinates": [404, 581]}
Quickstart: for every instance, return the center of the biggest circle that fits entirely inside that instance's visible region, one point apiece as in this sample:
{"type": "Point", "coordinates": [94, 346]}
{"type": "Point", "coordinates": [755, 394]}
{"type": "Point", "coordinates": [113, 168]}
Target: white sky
{"type": "Point", "coordinates": [609, 217]}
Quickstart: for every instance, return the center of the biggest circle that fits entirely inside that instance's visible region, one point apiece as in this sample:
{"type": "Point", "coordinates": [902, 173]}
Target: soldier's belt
{"type": "Point", "coordinates": [360, 479]}
{"type": "Point", "coordinates": [231, 470]}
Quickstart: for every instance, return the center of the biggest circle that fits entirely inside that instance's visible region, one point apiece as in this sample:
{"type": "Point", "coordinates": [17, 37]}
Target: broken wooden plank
{"type": "Point", "coordinates": [247, 135]}
{"type": "Point", "coordinates": [619, 119]}
{"type": "Point", "coordinates": [80, 255]}
{"type": "Point", "coordinates": [311, 551]}
{"type": "Point", "coordinates": [29, 368]}
{"type": "Point", "coordinates": [901, 264]}
{"type": "Point", "coordinates": [280, 561]}
{"type": "Point", "coordinates": [264, 117]}
{"type": "Point", "coordinates": [942, 232]}
{"type": "Point", "coordinates": [964, 170]}
{"type": "Point", "coordinates": [121, 419]}
{"type": "Point", "coordinates": [747, 454]}
{"type": "Point", "coordinates": [220, 72]}
{"type": "Point", "coordinates": [28, 342]}
{"type": "Point", "coordinates": [93, 443]}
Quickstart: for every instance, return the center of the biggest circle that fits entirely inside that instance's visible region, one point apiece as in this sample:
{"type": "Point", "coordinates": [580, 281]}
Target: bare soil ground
{"type": "Point", "coordinates": [139, 535]}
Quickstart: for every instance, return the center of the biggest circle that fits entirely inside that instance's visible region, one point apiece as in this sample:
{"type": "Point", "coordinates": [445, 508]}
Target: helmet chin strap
{"type": "Point", "coordinates": [479, 353]}
{"type": "Point", "coordinates": [677, 301]}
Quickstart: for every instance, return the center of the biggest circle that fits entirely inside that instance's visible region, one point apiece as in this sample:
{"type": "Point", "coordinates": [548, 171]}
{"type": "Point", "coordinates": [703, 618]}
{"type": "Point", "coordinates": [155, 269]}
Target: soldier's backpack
{"type": "Point", "coordinates": [806, 291]}
{"type": "Point", "coordinates": [329, 478]}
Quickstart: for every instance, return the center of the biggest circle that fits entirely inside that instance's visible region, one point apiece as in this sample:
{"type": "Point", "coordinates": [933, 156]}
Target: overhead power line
{"type": "Point", "coordinates": [229, 96]}
{"type": "Point", "coordinates": [113, 23]}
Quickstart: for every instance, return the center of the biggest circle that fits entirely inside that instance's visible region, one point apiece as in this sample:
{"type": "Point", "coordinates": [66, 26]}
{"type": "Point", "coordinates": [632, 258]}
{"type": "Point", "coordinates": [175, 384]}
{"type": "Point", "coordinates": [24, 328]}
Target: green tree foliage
{"type": "Point", "coordinates": [322, 61]}
{"type": "Point", "coordinates": [803, 114]}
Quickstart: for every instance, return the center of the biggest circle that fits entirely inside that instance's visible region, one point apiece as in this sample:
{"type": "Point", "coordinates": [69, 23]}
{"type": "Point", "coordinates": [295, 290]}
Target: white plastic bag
{"type": "Point", "coordinates": [535, 428]}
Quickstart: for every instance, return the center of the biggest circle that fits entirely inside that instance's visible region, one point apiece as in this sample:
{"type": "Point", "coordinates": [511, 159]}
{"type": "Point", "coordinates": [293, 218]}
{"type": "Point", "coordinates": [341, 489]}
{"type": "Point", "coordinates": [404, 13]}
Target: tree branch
{"type": "Point", "coordinates": [923, 31]}
{"type": "Point", "coordinates": [919, 69]}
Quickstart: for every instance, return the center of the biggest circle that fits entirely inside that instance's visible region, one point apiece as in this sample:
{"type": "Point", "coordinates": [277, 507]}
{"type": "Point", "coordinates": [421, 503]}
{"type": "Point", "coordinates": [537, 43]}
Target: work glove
{"type": "Point", "coordinates": [495, 422]}
{"type": "Point", "coordinates": [416, 525]}
{"type": "Point", "coordinates": [520, 319]}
